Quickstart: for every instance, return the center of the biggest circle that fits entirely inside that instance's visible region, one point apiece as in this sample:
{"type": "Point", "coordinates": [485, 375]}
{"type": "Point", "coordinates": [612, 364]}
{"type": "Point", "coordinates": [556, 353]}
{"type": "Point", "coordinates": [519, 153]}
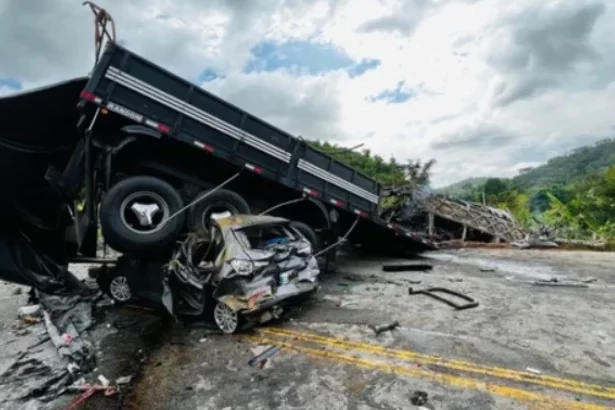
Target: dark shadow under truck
{"type": "Point", "coordinates": [147, 144]}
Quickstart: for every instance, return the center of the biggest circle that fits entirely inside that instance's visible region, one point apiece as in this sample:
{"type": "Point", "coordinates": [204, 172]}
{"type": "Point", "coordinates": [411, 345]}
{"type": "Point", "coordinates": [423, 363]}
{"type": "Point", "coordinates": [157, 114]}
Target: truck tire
{"type": "Point", "coordinates": [309, 234]}
{"type": "Point", "coordinates": [132, 230]}
{"type": "Point", "coordinates": [220, 201]}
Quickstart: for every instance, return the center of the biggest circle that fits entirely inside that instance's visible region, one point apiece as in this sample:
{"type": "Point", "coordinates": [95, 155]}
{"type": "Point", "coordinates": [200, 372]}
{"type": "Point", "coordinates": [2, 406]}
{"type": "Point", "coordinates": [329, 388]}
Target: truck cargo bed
{"type": "Point", "coordinates": [129, 85]}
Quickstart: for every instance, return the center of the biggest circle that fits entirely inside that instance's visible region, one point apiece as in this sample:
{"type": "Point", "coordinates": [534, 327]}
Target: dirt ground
{"type": "Point", "coordinates": [524, 346]}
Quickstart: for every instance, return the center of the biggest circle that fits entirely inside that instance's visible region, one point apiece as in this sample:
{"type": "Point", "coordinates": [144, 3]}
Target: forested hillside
{"type": "Point", "coordinates": [574, 193]}
{"type": "Point", "coordinates": [579, 163]}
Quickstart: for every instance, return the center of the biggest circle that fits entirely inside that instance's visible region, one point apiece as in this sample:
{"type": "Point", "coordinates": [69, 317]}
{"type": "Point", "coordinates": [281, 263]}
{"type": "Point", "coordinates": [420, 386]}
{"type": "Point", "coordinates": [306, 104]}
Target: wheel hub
{"type": "Point", "coordinates": [145, 212]}
{"type": "Point", "coordinates": [120, 289]}
{"type": "Point", "coordinates": [225, 318]}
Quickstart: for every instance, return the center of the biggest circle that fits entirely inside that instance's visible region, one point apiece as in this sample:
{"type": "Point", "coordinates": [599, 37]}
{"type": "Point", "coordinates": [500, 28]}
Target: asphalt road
{"type": "Point", "coordinates": [524, 346]}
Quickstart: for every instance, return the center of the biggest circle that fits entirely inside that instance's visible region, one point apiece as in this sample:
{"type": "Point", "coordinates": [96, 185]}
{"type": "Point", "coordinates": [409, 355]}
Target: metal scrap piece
{"type": "Point", "coordinates": [268, 353]}
{"type": "Point", "coordinates": [407, 267]}
{"type": "Point", "coordinates": [472, 303]}
{"type": "Point", "coordinates": [383, 328]}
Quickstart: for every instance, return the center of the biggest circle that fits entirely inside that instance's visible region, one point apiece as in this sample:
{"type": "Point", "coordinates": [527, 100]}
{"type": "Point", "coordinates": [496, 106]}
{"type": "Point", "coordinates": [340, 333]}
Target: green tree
{"type": "Point", "coordinates": [495, 186]}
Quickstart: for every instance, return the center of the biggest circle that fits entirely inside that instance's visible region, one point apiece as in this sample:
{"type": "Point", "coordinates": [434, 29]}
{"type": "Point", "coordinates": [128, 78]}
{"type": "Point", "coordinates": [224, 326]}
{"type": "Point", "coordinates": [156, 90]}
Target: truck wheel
{"type": "Point", "coordinates": [305, 230]}
{"type": "Point", "coordinates": [132, 214]}
{"type": "Point", "coordinates": [221, 203]}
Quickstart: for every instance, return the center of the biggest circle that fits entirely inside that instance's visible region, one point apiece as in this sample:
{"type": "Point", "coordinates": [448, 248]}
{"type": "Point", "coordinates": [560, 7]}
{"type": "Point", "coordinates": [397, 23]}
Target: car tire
{"type": "Point", "coordinates": [222, 200]}
{"type": "Point", "coordinates": [127, 233]}
{"type": "Point", "coordinates": [117, 286]}
{"type": "Point", "coordinates": [308, 233]}
{"type": "Point", "coordinates": [226, 319]}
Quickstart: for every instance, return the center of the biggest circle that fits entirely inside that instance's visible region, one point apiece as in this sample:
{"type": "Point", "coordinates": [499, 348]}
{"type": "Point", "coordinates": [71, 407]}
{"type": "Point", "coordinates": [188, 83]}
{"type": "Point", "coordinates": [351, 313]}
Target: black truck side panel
{"type": "Point", "coordinates": [199, 118]}
{"type": "Point", "coordinates": [137, 89]}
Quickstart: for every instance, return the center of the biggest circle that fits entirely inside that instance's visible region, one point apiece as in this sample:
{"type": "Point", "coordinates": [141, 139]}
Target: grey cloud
{"type": "Point", "coordinates": [482, 135]}
{"type": "Point", "coordinates": [403, 21]}
{"type": "Point", "coordinates": [311, 111]}
{"type": "Point", "coordinates": [53, 39]}
{"type": "Point", "coordinates": [540, 46]}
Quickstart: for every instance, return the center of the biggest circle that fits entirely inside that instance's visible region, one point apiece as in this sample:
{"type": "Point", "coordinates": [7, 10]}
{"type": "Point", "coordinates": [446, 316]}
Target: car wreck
{"type": "Point", "coordinates": [243, 270]}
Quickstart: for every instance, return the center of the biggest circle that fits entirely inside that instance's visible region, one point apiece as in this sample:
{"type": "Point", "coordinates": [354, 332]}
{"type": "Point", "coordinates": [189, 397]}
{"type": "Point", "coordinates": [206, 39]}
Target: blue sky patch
{"type": "Point", "coordinates": [207, 75]}
{"type": "Point", "coordinates": [10, 83]}
{"type": "Point", "coordinates": [399, 94]}
{"type": "Point", "coordinates": [363, 66]}
{"type": "Point", "coordinates": [303, 56]}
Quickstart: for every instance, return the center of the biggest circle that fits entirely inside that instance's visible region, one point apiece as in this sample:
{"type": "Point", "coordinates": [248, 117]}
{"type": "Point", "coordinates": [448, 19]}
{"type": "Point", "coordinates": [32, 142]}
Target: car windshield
{"type": "Point", "coordinates": [262, 237]}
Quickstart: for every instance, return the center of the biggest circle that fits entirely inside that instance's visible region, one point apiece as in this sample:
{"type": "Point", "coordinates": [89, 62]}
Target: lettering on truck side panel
{"type": "Point", "coordinates": [125, 112]}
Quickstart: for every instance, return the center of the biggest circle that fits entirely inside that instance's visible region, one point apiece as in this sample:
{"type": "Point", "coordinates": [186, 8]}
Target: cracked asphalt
{"type": "Point", "coordinates": [524, 346]}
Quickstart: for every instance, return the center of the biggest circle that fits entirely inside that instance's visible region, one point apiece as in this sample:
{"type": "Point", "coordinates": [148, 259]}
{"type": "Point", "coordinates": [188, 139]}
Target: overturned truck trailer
{"type": "Point", "coordinates": [151, 156]}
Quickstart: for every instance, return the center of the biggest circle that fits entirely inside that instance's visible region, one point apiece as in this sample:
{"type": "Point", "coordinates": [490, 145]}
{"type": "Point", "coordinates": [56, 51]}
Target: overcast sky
{"type": "Point", "coordinates": [483, 86]}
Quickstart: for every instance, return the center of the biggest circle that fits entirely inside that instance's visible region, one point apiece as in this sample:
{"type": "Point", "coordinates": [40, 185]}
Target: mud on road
{"type": "Point", "coordinates": [525, 346]}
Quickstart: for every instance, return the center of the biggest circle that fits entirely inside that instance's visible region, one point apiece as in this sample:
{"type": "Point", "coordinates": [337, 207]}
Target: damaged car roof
{"type": "Point", "coordinates": [236, 222]}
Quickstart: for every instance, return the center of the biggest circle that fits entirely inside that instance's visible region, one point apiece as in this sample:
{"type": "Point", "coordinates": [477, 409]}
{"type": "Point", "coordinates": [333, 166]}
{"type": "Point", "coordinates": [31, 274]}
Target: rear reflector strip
{"type": "Point", "coordinates": [86, 95]}
{"type": "Point", "coordinates": [360, 213]}
{"type": "Point", "coordinates": [253, 168]}
{"type": "Point", "coordinates": [163, 128]}
{"type": "Point", "coordinates": [337, 203]}
{"type": "Point", "coordinates": [205, 147]}
{"type": "Point", "coordinates": [310, 192]}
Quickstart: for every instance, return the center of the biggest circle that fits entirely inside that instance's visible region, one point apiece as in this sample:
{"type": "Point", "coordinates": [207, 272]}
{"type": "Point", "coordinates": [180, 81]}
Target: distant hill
{"type": "Point", "coordinates": [458, 189]}
{"type": "Point", "coordinates": [579, 163]}
{"type": "Point", "coordinates": [560, 170]}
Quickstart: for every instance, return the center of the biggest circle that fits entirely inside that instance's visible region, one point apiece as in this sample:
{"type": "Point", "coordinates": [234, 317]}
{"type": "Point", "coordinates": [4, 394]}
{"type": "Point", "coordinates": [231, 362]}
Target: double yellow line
{"type": "Point", "coordinates": [288, 339]}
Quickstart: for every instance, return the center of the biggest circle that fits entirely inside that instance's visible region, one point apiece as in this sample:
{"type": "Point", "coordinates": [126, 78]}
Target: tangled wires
{"type": "Point", "coordinates": [187, 262]}
{"type": "Point", "coordinates": [101, 19]}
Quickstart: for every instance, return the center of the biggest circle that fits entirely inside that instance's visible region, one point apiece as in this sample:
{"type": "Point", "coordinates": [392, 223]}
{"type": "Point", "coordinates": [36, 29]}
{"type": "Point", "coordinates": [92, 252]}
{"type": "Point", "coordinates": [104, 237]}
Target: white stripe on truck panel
{"type": "Point", "coordinates": [199, 115]}
{"type": "Point", "coordinates": [203, 117]}
{"type": "Point", "coordinates": [334, 179]}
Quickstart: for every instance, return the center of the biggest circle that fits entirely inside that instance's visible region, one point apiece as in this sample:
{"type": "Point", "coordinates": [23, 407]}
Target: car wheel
{"type": "Point", "coordinates": [226, 319]}
{"type": "Point", "coordinates": [134, 212]}
{"type": "Point", "coordinates": [308, 233]}
{"type": "Point", "coordinates": [219, 204]}
{"type": "Point", "coordinates": [117, 287]}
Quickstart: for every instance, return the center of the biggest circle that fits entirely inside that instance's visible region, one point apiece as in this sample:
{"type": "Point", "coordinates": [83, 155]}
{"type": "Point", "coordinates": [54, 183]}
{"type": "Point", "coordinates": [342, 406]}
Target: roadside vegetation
{"type": "Point", "coordinates": [574, 193]}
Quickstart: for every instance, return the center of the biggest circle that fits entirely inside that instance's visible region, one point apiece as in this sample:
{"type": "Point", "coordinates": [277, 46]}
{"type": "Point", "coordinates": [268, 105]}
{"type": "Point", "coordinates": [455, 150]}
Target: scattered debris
{"type": "Point", "coordinates": [487, 269]}
{"type": "Point", "coordinates": [18, 291]}
{"type": "Point", "coordinates": [103, 380]}
{"type": "Point", "coordinates": [89, 391]}
{"type": "Point", "coordinates": [419, 398]}
{"type": "Point", "coordinates": [260, 359]}
{"type": "Point", "coordinates": [30, 310]}
{"type": "Point", "coordinates": [556, 282]}
{"type": "Point", "coordinates": [30, 320]}
{"type": "Point", "coordinates": [457, 280]}
{"type": "Point", "coordinates": [383, 328]}
{"type": "Point", "coordinates": [590, 280]}
{"type": "Point", "coordinates": [407, 267]}
{"type": "Point", "coordinates": [532, 370]}
{"type": "Point", "coordinates": [472, 303]}
{"type": "Point", "coordinates": [123, 380]}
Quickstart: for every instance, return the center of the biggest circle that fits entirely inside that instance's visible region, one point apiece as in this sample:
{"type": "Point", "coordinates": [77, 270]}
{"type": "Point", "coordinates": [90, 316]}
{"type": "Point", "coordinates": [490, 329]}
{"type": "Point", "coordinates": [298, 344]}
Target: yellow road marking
{"type": "Point", "coordinates": [520, 376]}
{"type": "Point", "coordinates": [542, 401]}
